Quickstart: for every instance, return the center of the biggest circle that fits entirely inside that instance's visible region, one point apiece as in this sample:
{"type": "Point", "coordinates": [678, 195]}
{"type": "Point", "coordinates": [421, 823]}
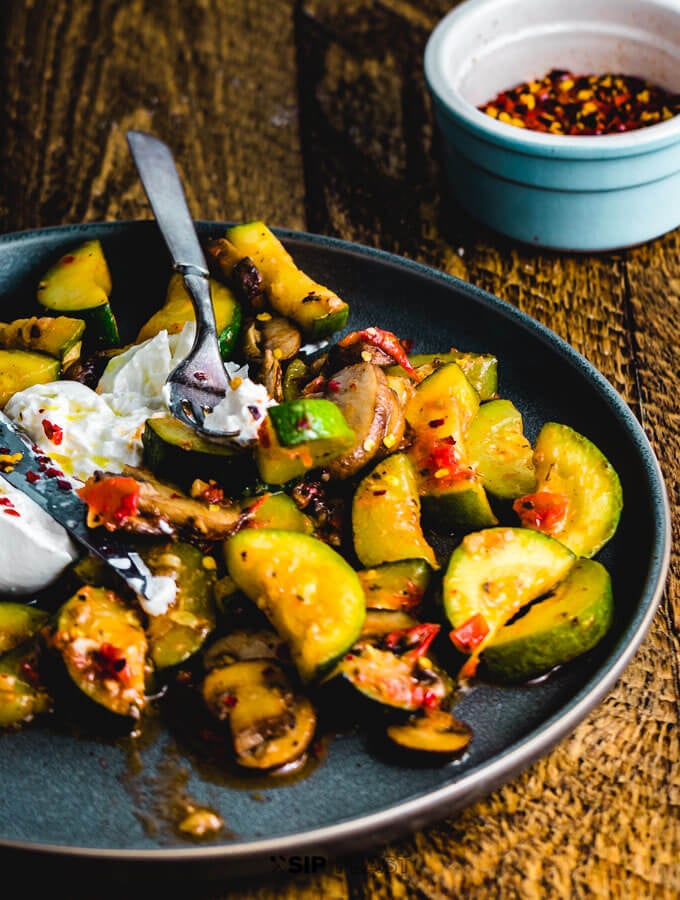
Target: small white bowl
{"type": "Point", "coordinates": [583, 193]}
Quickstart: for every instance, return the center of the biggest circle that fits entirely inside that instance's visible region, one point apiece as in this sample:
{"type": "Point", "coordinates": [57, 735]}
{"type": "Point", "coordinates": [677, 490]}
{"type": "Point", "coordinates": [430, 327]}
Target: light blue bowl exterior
{"type": "Point", "coordinates": [565, 193]}
{"type": "Point", "coordinates": [579, 203]}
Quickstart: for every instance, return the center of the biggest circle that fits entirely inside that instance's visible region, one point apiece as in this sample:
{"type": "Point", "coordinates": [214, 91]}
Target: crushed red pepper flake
{"type": "Point", "coordinates": [568, 104]}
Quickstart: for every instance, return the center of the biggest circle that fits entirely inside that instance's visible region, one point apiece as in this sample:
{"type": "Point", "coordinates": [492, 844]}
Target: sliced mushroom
{"type": "Point", "coordinates": [164, 509]}
{"type": "Point", "coordinates": [280, 336]}
{"type": "Point", "coordinates": [270, 725]}
{"type": "Point", "coordinates": [372, 411]}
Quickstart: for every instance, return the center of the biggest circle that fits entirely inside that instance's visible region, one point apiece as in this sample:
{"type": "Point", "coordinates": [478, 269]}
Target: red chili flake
{"type": "Point", "coordinates": [436, 423]}
{"type": "Point", "coordinates": [229, 700]}
{"type": "Point", "coordinates": [63, 484]}
{"type": "Point", "coordinates": [4, 450]}
{"type": "Point", "coordinates": [54, 433]}
{"type": "Point", "coordinates": [68, 259]}
{"type": "Point", "coordinates": [5, 501]}
{"type": "Point", "coordinates": [302, 423]}
{"type": "Point", "coordinates": [569, 104]}
{"type": "Point", "coordinates": [32, 477]}
{"type": "Point", "coordinates": [200, 376]}
{"type": "Point", "coordinates": [333, 386]}
{"type": "Point", "coordinates": [12, 512]}
{"type": "Point", "coordinates": [53, 472]}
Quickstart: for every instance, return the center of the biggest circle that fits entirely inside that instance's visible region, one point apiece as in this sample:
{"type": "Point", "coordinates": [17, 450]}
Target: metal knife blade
{"type": "Point", "coordinates": [30, 473]}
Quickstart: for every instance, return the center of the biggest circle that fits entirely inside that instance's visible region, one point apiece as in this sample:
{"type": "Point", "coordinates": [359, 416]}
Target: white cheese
{"type": "Point", "coordinates": [34, 549]}
{"type": "Point", "coordinates": [84, 431]}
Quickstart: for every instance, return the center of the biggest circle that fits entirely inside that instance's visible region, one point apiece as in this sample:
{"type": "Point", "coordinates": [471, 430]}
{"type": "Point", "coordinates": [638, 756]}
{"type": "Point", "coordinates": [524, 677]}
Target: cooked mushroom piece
{"type": "Point", "coordinates": [270, 725]}
{"type": "Point", "coordinates": [373, 412]}
{"type": "Point", "coordinates": [433, 732]}
{"type": "Point", "coordinates": [158, 508]}
{"type": "Point", "coordinates": [280, 336]}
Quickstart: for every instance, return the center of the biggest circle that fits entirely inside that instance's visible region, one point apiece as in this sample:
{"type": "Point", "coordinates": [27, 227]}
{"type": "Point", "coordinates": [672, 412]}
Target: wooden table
{"type": "Point", "coordinates": [313, 115]}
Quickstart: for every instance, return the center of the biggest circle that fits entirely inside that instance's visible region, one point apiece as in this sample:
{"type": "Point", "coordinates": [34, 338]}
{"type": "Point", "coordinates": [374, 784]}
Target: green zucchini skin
{"type": "Point", "coordinates": [287, 574]}
{"type": "Point", "coordinates": [79, 284]}
{"type": "Point", "coordinates": [175, 636]}
{"type": "Point", "coordinates": [573, 620]}
{"type": "Point", "coordinates": [399, 585]}
{"type": "Point", "coordinates": [22, 693]}
{"type": "Point", "coordinates": [500, 452]}
{"type": "Point", "coordinates": [19, 622]}
{"type": "Point", "coordinates": [174, 451]}
{"type": "Point", "coordinates": [571, 467]}
{"type": "Point", "coordinates": [494, 572]}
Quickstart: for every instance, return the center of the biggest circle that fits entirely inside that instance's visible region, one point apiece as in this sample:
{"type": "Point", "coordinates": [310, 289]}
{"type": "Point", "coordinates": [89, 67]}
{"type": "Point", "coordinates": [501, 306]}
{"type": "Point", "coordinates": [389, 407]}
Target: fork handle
{"type": "Point", "coordinates": [198, 288]}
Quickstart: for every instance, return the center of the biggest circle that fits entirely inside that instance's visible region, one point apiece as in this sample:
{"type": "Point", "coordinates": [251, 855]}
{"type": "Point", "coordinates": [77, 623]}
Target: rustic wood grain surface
{"type": "Point", "coordinates": [314, 115]}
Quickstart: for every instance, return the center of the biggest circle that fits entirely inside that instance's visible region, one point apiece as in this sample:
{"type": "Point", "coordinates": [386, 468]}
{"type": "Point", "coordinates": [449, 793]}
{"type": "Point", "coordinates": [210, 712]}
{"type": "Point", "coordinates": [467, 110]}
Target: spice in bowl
{"type": "Point", "coordinates": [568, 104]}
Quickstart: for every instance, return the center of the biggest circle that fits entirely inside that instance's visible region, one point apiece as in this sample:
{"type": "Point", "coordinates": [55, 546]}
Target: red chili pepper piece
{"type": "Point", "coordinates": [110, 500]}
{"type": "Point", "coordinates": [385, 340]}
{"type": "Point", "coordinates": [544, 511]}
{"type": "Point", "coordinates": [468, 636]}
{"type": "Point", "coordinates": [412, 642]}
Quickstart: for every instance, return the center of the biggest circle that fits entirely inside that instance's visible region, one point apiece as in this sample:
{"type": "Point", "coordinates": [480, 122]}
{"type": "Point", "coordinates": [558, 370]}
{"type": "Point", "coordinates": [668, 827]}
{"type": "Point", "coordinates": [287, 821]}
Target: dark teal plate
{"type": "Point", "coordinates": [79, 799]}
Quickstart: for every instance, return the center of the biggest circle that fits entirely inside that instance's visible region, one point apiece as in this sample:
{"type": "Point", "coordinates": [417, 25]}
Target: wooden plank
{"type": "Point", "coordinates": [214, 79]}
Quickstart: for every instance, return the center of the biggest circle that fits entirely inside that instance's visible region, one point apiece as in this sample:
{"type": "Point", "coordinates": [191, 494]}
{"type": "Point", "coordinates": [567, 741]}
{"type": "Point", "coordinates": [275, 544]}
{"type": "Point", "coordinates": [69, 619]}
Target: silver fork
{"type": "Point", "coordinates": [200, 380]}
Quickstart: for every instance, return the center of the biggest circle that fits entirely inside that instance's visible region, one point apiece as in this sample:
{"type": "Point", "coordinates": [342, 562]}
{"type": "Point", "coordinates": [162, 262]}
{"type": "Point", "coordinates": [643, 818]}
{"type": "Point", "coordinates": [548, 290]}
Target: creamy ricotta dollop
{"type": "Point", "coordinates": [84, 431]}
{"type": "Point", "coordinates": [34, 549]}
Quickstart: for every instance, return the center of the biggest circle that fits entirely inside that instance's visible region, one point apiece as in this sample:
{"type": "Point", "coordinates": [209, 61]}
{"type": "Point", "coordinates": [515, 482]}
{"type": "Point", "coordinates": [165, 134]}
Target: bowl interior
{"type": "Point", "coordinates": [489, 45]}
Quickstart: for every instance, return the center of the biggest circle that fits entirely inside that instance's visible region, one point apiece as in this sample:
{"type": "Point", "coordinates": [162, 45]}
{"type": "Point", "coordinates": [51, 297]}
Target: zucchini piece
{"type": "Point", "coordinates": [271, 726]}
{"type": "Point", "coordinates": [20, 369]}
{"type": "Point", "coordinates": [309, 593]}
{"type": "Point", "coordinates": [177, 452]}
{"type": "Point", "coordinates": [277, 510]}
{"type": "Point", "coordinates": [440, 412]}
{"type": "Point", "coordinates": [394, 669]}
{"type": "Point", "coordinates": [317, 310]}
{"type": "Point", "coordinates": [179, 633]}
{"type": "Point", "coordinates": [492, 574]}
{"type": "Point", "coordinates": [178, 309]}
{"type": "Point", "coordinates": [386, 515]}
{"type": "Point", "coordinates": [399, 585]}
{"type": "Point", "coordinates": [57, 336]}
{"type": "Point", "coordinates": [79, 284]}
{"type": "Point", "coordinates": [22, 694]}
{"type": "Point", "coordinates": [18, 622]}
{"type": "Point", "coordinates": [299, 435]}
{"type": "Point", "coordinates": [578, 498]}
{"type": "Point", "coordinates": [104, 647]}
{"type": "Point", "coordinates": [245, 643]}
{"type": "Point", "coordinates": [379, 622]}
{"type": "Point", "coordinates": [480, 369]}
{"type": "Point", "coordinates": [568, 623]}
{"type": "Point", "coordinates": [499, 450]}
{"type": "Point", "coordinates": [433, 733]}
